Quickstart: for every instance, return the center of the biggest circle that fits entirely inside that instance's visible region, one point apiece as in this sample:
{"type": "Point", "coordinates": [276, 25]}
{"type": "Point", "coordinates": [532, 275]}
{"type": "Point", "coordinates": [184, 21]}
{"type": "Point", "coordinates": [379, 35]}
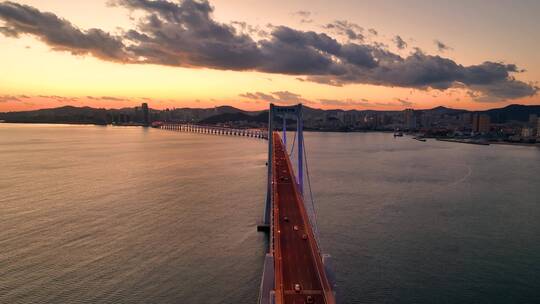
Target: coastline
{"type": "Point", "coordinates": [452, 140]}
{"type": "Point", "coordinates": [71, 124]}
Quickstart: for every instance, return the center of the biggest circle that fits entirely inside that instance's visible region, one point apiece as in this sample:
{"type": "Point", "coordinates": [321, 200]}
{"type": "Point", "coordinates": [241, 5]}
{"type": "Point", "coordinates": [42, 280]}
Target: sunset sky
{"type": "Point", "coordinates": [350, 54]}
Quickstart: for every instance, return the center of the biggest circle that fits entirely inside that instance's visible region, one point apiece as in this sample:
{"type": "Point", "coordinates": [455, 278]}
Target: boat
{"type": "Point", "coordinates": [398, 134]}
{"type": "Point", "coordinates": [420, 139]}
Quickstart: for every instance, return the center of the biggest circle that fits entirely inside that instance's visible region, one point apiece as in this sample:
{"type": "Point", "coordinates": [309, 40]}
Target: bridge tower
{"type": "Point", "coordinates": [285, 196]}
{"type": "Point", "coordinates": [276, 114]}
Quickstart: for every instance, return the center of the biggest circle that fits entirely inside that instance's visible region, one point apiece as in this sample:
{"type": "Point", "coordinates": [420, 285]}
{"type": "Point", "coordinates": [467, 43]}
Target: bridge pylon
{"type": "Point", "coordinates": [276, 114]}
{"type": "Point", "coordinates": [293, 238]}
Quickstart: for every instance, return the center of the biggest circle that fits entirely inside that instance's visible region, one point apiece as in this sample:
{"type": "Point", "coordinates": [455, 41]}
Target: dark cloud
{"type": "Point", "coordinates": [400, 43]}
{"type": "Point", "coordinates": [304, 15]}
{"type": "Point", "coordinates": [63, 99]}
{"type": "Point", "coordinates": [298, 53]}
{"type": "Point", "coordinates": [184, 34]}
{"type": "Point", "coordinates": [258, 96]}
{"type": "Point", "coordinates": [363, 56]}
{"type": "Point", "coordinates": [373, 32]}
{"type": "Point", "coordinates": [423, 71]}
{"type": "Point", "coordinates": [249, 29]}
{"type": "Point", "coordinates": [503, 90]}
{"type": "Point", "coordinates": [110, 98]}
{"type": "Point", "coordinates": [9, 32]}
{"type": "Point", "coordinates": [22, 19]}
{"type": "Point", "coordinates": [344, 103]}
{"type": "Point", "coordinates": [345, 28]}
{"type": "Point", "coordinates": [404, 102]}
{"type": "Point", "coordinates": [280, 97]}
{"type": "Point", "coordinates": [59, 98]}
{"type": "Point", "coordinates": [8, 98]}
{"type": "Point", "coordinates": [289, 97]}
{"type": "Point", "coordinates": [473, 94]}
{"type": "Point", "coordinates": [24, 98]}
{"type": "Point", "coordinates": [442, 47]}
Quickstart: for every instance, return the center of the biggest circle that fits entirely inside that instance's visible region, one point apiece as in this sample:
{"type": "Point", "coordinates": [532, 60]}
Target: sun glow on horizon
{"type": "Point", "coordinates": [35, 76]}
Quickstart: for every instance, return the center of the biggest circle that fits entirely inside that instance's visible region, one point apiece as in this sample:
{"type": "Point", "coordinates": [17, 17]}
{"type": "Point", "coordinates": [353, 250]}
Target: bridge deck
{"type": "Point", "coordinates": [297, 260]}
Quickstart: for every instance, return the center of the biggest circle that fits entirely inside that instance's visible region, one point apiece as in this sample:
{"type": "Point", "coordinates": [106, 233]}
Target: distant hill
{"type": "Point", "coordinates": [67, 114]}
{"type": "Point", "coordinates": [512, 113]}
{"type": "Point", "coordinates": [233, 117]}
{"type": "Point", "coordinates": [444, 111]}
{"type": "Point", "coordinates": [88, 115]}
{"type": "Point", "coordinates": [199, 114]}
{"type": "Point", "coordinates": [224, 114]}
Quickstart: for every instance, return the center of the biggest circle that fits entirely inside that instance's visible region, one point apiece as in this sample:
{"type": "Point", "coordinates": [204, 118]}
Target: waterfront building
{"type": "Point", "coordinates": [350, 118]}
{"type": "Point", "coordinates": [526, 132]}
{"type": "Point", "coordinates": [146, 119]}
{"type": "Point", "coordinates": [533, 118]}
{"type": "Point", "coordinates": [410, 119]}
{"type": "Point", "coordinates": [427, 121]}
{"type": "Point", "coordinates": [466, 119]}
{"type": "Point", "coordinates": [481, 123]}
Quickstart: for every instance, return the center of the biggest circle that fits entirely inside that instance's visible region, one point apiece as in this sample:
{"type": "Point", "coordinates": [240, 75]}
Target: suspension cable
{"type": "Point", "coordinates": [311, 198]}
{"type": "Point", "coordinates": [294, 141]}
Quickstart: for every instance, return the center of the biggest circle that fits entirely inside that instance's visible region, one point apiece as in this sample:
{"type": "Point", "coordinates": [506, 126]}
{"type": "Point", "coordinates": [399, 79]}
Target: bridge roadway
{"type": "Point", "coordinates": [297, 260]}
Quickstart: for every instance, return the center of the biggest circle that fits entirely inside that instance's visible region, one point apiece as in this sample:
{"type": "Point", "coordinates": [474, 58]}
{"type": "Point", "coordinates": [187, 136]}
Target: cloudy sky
{"type": "Point", "coordinates": [348, 54]}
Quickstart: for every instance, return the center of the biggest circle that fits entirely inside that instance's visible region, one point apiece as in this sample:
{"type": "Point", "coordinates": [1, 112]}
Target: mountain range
{"type": "Point", "coordinates": [222, 114]}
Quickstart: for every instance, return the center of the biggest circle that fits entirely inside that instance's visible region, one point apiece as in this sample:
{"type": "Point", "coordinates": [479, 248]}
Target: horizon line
{"type": "Point", "coordinates": [225, 105]}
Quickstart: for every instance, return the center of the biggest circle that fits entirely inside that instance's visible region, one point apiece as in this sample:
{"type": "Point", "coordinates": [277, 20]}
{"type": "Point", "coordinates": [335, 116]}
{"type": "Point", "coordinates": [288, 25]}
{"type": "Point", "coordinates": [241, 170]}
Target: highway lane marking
{"type": "Point", "coordinates": [303, 292]}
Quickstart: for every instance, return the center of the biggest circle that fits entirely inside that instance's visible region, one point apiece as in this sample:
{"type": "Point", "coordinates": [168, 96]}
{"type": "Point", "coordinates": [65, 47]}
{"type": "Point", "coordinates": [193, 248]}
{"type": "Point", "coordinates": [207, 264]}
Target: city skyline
{"type": "Point", "coordinates": [353, 55]}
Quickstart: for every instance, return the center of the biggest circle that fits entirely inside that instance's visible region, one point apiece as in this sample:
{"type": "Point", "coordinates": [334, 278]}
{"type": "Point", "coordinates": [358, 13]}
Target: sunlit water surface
{"type": "Point", "coordinates": [130, 215]}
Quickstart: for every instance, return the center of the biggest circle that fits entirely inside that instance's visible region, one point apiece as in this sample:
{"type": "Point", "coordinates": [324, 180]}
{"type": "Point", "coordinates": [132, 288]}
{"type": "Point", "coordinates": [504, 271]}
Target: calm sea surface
{"type": "Point", "coordinates": [94, 214]}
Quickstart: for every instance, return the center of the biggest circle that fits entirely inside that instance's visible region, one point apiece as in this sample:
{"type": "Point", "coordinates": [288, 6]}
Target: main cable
{"type": "Point", "coordinates": [312, 200]}
{"type": "Point", "coordinates": [294, 141]}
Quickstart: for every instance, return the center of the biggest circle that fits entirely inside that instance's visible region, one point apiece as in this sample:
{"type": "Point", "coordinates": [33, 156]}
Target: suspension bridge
{"type": "Point", "coordinates": [295, 269]}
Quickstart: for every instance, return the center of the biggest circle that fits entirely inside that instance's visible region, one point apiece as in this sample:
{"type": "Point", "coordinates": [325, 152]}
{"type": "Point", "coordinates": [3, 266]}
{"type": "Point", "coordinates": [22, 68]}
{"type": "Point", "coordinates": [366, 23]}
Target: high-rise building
{"type": "Point", "coordinates": [526, 132]}
{"type": "Point", "coordinates": [410, 119]}
{"type": "Point", "coordinates": [481, 123]}
{"type": "Point", "coordinates": [466, 118]}
{"type": "Point", "coordinates": [146, 118]}
{"type": "Point", "coordinates": [349, 118]}
{"type": "Point", "coordinates": [427, 120]}
{"type": "Point", "coordinates": [341, 116]}
{"type": "Point", "coordinates": [533, 118]}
